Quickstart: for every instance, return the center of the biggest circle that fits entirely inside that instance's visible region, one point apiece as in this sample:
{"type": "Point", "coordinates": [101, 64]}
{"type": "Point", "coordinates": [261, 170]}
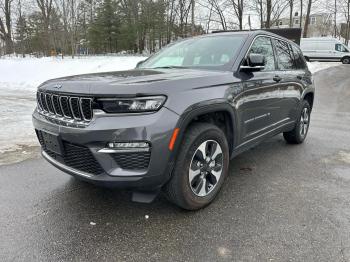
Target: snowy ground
{"type": "Point", "coordinates": [18, 81]}
{"type": "Point", "coordinates": [318, 66]}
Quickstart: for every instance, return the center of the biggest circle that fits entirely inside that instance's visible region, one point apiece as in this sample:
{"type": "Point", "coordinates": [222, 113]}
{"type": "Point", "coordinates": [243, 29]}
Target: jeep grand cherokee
{"type": "Point", "coordinates": [174, 122]}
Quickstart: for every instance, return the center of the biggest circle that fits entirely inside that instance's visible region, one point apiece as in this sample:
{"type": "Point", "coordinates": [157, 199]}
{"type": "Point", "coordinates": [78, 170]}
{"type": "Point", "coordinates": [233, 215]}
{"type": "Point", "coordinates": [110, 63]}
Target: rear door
{"type": "Point", "coordinates": [291, 86]}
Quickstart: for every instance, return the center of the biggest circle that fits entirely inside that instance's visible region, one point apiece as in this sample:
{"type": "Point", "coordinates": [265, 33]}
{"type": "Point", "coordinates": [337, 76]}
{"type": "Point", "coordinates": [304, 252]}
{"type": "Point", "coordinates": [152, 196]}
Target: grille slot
{"type": "Point", "coordinates": [57, 105]}
{"type": "Point", "coordinates": [132, 160]}
{"type": "Point", "coordinates": [74, 105]}
{"type": "Point", "coordinates": [38, 99]}
{"type": "Point", "coordinates": [85, 107]}
{"type": "Point", "coordinates": [43, 101]}
{"type": "Point", "coordinates": [62, 109]}
{"type": "Point", "coordinates": [65, 107]}
{"type": "Point", "coordinates": [49, 103]}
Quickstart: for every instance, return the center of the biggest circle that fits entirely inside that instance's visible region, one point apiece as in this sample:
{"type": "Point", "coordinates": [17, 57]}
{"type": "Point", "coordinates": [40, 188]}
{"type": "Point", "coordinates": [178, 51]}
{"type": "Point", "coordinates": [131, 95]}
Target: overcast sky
{"type": "Point", "coordinates": [319, 6]}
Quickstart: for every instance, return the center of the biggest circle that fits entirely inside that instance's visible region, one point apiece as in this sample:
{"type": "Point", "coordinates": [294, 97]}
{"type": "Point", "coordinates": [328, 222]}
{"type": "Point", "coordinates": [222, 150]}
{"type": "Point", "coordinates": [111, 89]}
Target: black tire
{"type": "Point", "coordinates": [345, 60]}
{"type": "Point", "coordinates": [179, 190]}
{"type": "Point", "coordinates": [297, 136]}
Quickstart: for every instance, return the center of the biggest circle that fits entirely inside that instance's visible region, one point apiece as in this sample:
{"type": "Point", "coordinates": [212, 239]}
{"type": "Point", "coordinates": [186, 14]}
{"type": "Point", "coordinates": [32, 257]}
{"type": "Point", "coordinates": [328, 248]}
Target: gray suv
{"type": "Point", "coordinates": [173, 123]}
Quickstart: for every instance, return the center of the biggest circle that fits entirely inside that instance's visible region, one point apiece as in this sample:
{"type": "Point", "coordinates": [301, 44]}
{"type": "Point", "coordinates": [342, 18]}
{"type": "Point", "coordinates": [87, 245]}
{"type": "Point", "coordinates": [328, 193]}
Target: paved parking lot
{"type": "Point", "coordinates": [280, 203]}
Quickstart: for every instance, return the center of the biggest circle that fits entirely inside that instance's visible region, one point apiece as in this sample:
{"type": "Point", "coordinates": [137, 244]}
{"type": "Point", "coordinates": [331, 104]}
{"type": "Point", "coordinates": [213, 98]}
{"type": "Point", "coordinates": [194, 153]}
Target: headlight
{"type": "Point", "coordinates": [132, 105]}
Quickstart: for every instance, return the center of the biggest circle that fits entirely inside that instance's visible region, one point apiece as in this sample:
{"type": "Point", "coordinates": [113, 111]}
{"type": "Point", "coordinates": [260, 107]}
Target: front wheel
{"type": "Point", "coordinates": [201, 167]}
{"type": "Point", "coordinates": [345, 60]}
{"type": "Point", "coordinates": [298, 134]}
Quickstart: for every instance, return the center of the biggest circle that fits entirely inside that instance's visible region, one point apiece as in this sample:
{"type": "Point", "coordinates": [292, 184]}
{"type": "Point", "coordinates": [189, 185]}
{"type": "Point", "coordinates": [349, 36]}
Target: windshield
{"type": "Point", "coordinates": [209, 52]}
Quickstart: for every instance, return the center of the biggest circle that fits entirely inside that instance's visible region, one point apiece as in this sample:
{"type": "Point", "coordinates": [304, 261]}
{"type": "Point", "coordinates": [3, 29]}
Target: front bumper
{"type": "Point", "coordinates": [156, 128]}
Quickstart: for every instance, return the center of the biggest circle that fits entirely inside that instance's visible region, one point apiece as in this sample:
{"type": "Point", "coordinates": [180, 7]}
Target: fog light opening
{"type": "Point", "coordinates": [123, 147]}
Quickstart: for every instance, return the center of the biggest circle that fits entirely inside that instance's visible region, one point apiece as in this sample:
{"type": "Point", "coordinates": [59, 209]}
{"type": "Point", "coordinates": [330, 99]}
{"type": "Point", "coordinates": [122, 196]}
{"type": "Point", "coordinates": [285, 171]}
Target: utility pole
{"type": "Point", "coordinates": [193, 25]}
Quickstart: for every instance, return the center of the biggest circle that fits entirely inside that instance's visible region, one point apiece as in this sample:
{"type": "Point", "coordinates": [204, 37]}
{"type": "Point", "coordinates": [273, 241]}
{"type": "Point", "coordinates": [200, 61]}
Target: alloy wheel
{"type": "Point", "coordinates": [206, 168]}
{"type": "Point", "coordinates": [304, 122]}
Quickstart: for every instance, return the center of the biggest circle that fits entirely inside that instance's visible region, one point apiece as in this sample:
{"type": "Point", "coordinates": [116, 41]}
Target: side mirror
{"type": "Point", "coordinates": [140, 63]}
{"type": "Point", "coordinates": [254, 62]}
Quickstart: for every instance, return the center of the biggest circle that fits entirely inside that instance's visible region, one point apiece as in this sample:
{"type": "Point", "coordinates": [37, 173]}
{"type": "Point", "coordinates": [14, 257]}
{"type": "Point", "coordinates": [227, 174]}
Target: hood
{"type": "Point", "coordinates": [137, 82]}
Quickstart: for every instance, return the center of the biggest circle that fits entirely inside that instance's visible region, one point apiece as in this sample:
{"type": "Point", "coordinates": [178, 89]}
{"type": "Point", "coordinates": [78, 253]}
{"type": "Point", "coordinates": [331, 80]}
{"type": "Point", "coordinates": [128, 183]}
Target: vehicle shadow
{"type": "Point", "coordinates": [106, 219]}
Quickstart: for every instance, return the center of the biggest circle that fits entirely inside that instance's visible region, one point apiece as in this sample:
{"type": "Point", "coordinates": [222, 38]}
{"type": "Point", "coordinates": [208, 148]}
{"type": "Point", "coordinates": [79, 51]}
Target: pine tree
{"type": "Point", "coordinates": [103, 32]}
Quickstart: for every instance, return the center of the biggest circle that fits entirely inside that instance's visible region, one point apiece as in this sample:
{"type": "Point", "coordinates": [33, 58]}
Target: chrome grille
{"type": "Point", "coordinates": [85, 107]}
{"type": "Point", "coordinates": [43, 101]}
{"type": "Point", "coordinates": [75, 107]}
{"type": "Point", "coordinates": [63, 108]}
{"type": "Point", "coordinates": [56, 105]}
{"type": "Point", "coordinates": [48, 100]}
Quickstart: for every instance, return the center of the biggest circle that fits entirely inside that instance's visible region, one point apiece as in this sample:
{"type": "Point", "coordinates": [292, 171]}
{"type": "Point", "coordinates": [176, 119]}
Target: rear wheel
{"type": "Point", "coordinates": [298, 134]}
{"type": "Point", "coordinates": [201, 167]}
{"type": "Point", "coordinates": [345, 60]}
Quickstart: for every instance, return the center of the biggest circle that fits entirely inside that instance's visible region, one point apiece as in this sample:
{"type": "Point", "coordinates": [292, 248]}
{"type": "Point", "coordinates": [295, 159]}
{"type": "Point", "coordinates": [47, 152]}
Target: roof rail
{"type": "Point", "coordinates": [223, 31]}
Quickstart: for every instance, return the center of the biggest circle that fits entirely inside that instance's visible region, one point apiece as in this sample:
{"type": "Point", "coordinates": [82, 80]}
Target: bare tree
{"type": "Point", "coordinates": [301, 14]}
{"type": "Point", "coordinates": [258, 7]}
{"type": "Point", "coordinates": [69, 11]}
{"type": "Point", "coordinates": [238, 8]}
{"type": "Point", "coordinates": [269, 11]}
{"type": "Point", "coordinates": [291, 5]}
{"type": "Point", "coordinates": [5, 25]}
{"type": "Point", "coordinates": [20, 28]}
{"type": "Point", "coordinates": [192, 17]}
{"type": "Point", "coordinates": [170, 19]}
{"type": "Point", "coordinates": [335, 18]}
{"type": "Point", "coordinates": [347, 21]}
{"type": "Point", "coordinates": [183, 11]}
{"type": "Point", "coordinates": [346, 10]}
{"type": "Point", "coordinates": [307, 18]}
{"type": "Point", "coordinates": [218, 8]}
{"type": "Point", "coordinates": [45, 7]}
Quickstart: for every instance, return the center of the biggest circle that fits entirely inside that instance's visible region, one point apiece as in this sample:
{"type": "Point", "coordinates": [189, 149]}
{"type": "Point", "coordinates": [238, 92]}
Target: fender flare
{"type": "Point", "coordinates": [307, 92]}
{"type": "Point", "coordinates": [204, 108]}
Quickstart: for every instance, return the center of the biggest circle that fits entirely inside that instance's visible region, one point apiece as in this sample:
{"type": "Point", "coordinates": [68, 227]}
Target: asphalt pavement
{"type": "Point", "coordinates": [280, 203]}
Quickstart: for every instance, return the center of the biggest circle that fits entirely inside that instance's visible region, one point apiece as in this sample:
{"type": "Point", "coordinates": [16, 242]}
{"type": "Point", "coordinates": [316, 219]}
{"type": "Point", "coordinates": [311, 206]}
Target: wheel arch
{"type": "Point", "coordinates": [198, 113]}
{"type": "Point", "coordinates": [345, 57]}
{"type": "Point", "coordinates": [310, 98]}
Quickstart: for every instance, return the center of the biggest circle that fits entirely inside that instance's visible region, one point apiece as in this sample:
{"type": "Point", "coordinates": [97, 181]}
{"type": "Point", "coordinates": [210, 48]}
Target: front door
{"type": "Point", "coordinates": [258, 105]}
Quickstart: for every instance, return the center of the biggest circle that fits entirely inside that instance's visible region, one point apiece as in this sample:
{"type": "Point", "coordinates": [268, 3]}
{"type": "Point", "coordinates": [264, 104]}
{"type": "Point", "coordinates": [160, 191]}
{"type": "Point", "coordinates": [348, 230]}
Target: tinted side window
{"type": "Point", "coordinates": [284, 55]}
{"type": "Point", "coordinates": [340, 48]}
{"type": "Point", "coordinates": [298, 58]}
{"type": "Point", "coordinates": [262, 45]}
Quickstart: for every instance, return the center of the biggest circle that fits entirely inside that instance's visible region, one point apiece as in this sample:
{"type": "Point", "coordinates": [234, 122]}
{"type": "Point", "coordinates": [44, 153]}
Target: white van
{"type": "Point", "coordinates": [324, 49]}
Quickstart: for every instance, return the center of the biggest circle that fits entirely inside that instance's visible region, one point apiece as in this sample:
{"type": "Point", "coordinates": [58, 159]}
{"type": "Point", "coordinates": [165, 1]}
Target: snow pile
{"type": "Point", "coordinates": [28, 73]}
{"type": "Point", "coordinates": [318, 66]}
{"type": "Point", "coordinates": [19, 78]}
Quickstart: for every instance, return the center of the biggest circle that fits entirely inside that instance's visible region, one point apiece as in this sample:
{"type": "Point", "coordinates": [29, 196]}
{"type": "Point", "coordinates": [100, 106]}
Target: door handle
{"type": "Point", "coordinates": [277, 78]}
